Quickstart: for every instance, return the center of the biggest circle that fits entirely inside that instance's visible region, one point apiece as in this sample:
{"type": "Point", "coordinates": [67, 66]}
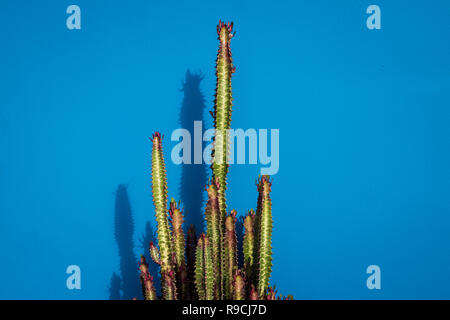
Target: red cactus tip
{"type": "Point", "coordinates": [228, 26]}
{"type": "Point", "coordinates": [156, 135]}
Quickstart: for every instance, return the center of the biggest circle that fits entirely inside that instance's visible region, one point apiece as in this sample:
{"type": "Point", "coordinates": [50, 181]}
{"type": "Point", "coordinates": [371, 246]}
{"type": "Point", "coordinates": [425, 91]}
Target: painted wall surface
{"type": "Point", "coordinates": [364, 136]}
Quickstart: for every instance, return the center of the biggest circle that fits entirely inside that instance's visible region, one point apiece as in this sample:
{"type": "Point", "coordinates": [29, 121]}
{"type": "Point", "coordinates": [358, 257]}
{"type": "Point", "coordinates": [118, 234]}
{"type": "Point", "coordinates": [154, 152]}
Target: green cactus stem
{"type": "Point", "coordinates": [176, 216]}
{"type": "Point", "coordinates": [159, 190]}
{"type": "Point", "coordinates": [169, 285]}
{"type": "Point", "coordinates": [248, 245]}
{"type": "Point", "coordinates": [222, 111]}
{"type": "Point", "coordinates": [146, 281]}
{"type": "Point", "coordinates": [200, 268]}
{"type": "Point", "coordinates": [265, 236]}
{"type": "Point", "coordinates": [239, 286]}
{"type": "Point", "coordinates": [214, 234]}
{"type": "Point", "coordinates": [230, 254]}
{"type": "Point", "coordinates": [209, 270]}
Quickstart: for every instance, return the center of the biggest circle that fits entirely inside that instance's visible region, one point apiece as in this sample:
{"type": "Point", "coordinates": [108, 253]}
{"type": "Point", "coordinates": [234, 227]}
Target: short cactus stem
{"type": "Point", "coordinates": [209, 271]}
{"type": "Point", "coordinates": [159, 190]}
{"type": "Point", "coordinates": [204, 272]}
{"type": "Point", "coordinates": [169, 285]}
{"type": "Point", "coordinates": [239, 286]}
{"type": "Point", "coordinates": [200, 268]}
{"type": "Point", "coordinates": [248, 246]}
{"type": "Point", "coordinates": [230, 254]}
{"type": "Point", "coordinates": [214, 234]}
{"type": "Point", "coordinates": [253, 293]}
{"type": "Point", "coordinates": [148, 288]}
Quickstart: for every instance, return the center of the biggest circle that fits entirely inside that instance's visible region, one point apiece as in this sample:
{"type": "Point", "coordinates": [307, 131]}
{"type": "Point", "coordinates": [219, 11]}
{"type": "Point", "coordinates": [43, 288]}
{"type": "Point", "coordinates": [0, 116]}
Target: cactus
{"type": "Point", "coordinates": [207, 268]}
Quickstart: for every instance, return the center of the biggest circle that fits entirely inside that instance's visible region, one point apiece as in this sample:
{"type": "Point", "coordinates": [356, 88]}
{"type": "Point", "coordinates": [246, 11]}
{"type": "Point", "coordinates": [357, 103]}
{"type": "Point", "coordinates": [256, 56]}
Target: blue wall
{"type": "Point", "coordinates": [364, 137]}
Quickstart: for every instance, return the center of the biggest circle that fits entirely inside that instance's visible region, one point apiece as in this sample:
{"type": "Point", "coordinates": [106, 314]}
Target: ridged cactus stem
{"type": "Point", "coordinates": [200, 268]}
{"type": "Point", "coordinates": [214, 234]}
{"type": "Point", "coordinates": [239, 286]}
{"type": "Point", "coordinates": [176, 216]}
{"type": "Point", "coordinates": [169, 285]}
{"type": "Point", "coordinates": [230, 254]}
{"type": "Point", "coordinates": [204, 272]}
{"type": "Point", "coordinates": [209, 270]}
{"type": "Point", "coordinates": [248, 246]}
{"type": "Point", "coordinates": [222, 112]}
{"type": "Point", "coordinates": [159, 190]}
{"type": "Point", "coordinates": [146, 281]}
{"type": "Point", "coordinates": [265, 237]}
{"type": "Point", "coordinates": [253, 293]}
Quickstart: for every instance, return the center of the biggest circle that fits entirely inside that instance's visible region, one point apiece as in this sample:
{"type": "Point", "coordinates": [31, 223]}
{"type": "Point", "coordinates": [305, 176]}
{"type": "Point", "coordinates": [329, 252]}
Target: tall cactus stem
{"type": "Point", "coordinates": [176, 216]}
{"type": "Point", "coordinates": [200, 268]}
{"type": "Point", "coordinates": [222, 112]}
{"type": "Point", "coordinates": [265, 237]}
{"type": "Point", "coordinates": [159, 190]}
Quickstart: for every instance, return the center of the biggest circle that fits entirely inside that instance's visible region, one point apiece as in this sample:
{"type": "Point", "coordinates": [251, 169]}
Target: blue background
{"type": "Point", "coordinates": [364, 137]}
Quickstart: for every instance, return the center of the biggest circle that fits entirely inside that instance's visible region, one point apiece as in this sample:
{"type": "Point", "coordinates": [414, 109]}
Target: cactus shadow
{"type": "Point", "coordinates": [124, 285]}
{"type": "Point", "coordinates": [114, 287]}
{"type": "Point", "coordinates": [193, 176]}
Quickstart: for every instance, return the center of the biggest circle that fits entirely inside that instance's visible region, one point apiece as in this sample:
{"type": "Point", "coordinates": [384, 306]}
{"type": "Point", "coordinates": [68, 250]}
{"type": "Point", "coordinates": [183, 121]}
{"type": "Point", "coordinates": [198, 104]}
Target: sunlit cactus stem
{"type": "Point", "coordinates": [178, 235]}
{"type": "Point", "coordinates": [265, 236]}
{"type": "Point", "coordinates": [239, 286]}
{"type": "Point", "coordinates": [253, 293]}
{"type": "Point", "coordinates": [222, 111]}
{"type": "Point", "coordinates": [248, 246]}
{"type": "Point", "coordinates": [209, 270]}
{"type": "Point", "coordinates": [214, 234]}
{"type": "Point", "coordinates": [204, 278]}
{"type": "Point", "coordinates": [146, 280]}
{"type": "Point", "coordinates": [159, 190]}
{"type": "Point", "coordinates": [200, 268]}
{"type": "Point", "coordinates": [169, 285]}
{"type": "Point", "coordinates": [230, 254]}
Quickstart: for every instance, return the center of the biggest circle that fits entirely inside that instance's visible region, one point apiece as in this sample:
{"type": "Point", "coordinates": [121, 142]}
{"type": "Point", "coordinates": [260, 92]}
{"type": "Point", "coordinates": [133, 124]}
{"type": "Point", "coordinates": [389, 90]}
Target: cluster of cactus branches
{"type": "Point", "coordinates": [206, 267]}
